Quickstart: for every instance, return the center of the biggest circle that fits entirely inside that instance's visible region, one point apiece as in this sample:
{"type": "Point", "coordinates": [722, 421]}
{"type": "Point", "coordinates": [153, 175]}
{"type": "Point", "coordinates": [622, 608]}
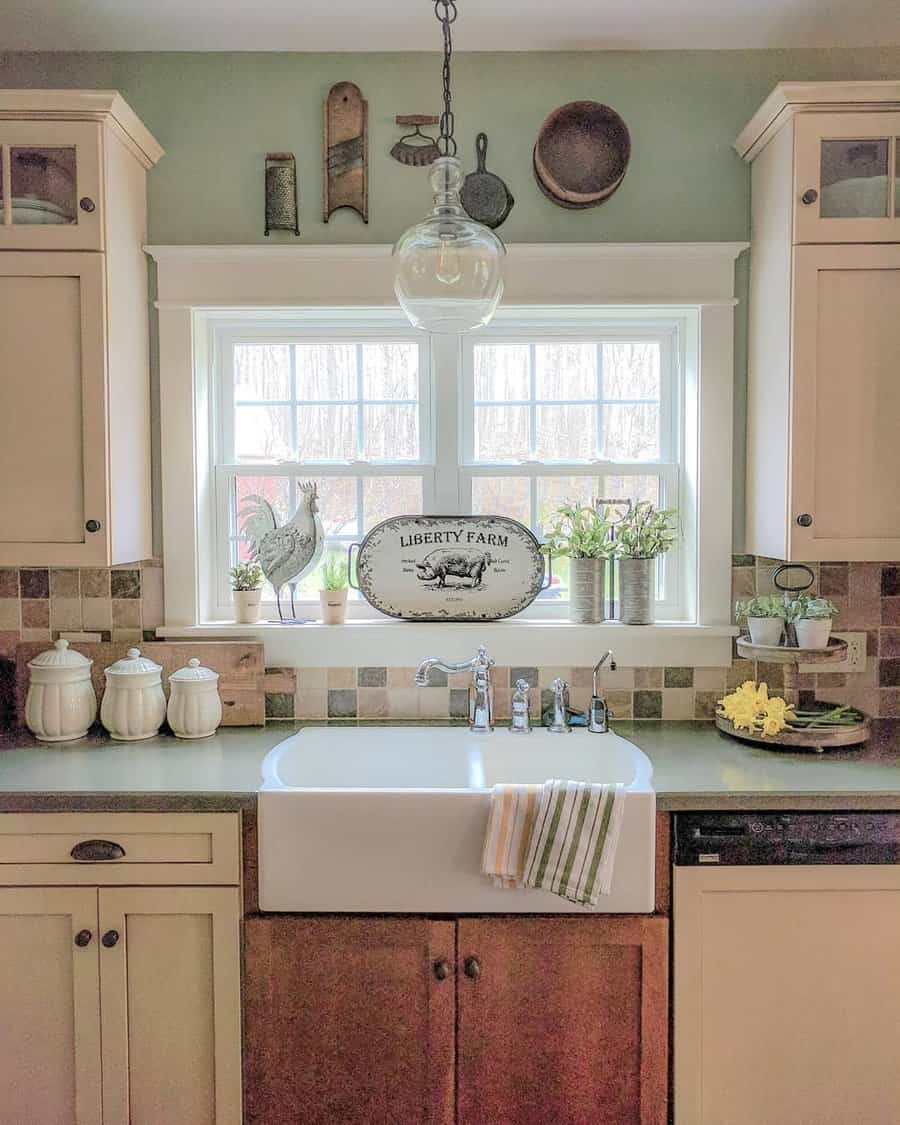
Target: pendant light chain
{"type": "Point", "coordinates": [445, 10]}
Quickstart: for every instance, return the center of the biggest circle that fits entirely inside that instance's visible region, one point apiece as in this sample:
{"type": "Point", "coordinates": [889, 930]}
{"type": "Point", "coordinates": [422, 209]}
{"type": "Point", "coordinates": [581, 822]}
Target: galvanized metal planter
{"type": "Point", "coordinates": [637, 579]}
{"type": "Point", "coordinates": [587, 579]}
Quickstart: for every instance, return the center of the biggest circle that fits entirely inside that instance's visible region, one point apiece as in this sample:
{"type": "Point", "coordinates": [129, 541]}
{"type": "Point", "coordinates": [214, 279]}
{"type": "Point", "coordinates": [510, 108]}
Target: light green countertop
{"type": "Point", "coordinates": [694, 766]}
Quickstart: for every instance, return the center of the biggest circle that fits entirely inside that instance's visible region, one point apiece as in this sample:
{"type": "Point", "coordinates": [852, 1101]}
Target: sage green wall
{"type": "Point", "coordinates": [217, 114]}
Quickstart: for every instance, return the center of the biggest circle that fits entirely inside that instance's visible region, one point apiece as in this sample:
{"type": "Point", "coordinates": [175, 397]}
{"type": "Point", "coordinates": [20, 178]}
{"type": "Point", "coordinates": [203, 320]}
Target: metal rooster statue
{"type": "Point", "coordinates": [288, 552]}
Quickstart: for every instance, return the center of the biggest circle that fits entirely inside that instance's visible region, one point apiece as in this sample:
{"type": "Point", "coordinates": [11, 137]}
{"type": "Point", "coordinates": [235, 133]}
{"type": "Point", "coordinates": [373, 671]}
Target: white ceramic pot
{"type": "Point", "coordinates": [333, 604]}
{"type": "Point", "coordinates": [60, 705]}
{"type": "Point", "coordinates": [765, 630]}
{"type": "Point", "coordinates": [246, 606]}
{"type": "Point", "coordinates": [813, 632]}
{"type": "Point", "coordinates": [134, 705]}
{"type": "Point", "coordinates": [195, 709]}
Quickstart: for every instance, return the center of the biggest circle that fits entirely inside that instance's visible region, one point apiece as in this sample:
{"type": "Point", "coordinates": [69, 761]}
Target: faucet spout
{"type": "Point", "coordinates": [481, 693]}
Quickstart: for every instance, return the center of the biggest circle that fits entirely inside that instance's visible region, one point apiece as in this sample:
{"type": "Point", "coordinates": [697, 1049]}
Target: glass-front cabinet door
{"type": "Point", "coordinates": [50, 195]}
{"type": "Point", "coordinates": [847, 177]}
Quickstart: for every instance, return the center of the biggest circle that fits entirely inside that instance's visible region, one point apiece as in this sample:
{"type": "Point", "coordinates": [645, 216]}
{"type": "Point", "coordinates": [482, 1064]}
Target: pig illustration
{"type": "Point", "coordinates": [454, 561]}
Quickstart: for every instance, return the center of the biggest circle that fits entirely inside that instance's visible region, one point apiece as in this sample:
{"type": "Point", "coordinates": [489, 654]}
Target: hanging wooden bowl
{"type": "Point", "coordinates": [581, 154]}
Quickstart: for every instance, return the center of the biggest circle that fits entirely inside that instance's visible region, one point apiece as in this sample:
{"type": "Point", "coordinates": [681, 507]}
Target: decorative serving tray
{"type": "Point", "coordinates": [450, 568]}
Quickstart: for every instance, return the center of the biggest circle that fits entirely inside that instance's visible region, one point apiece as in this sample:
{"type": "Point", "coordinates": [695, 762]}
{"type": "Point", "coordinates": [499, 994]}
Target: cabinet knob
{"type": "Point", "coordinates": [804, 519]}
{"type": "Point", "coordinates": [441, 969]}
{"type": "Point", "coordinates": [86, 204]}
{"type": "Point", "coordinates": [809, 196]}
{"type": "Point", "coordinates": [92, 526]}
{"type": "Point", "coordinates": [110, 938]}
{"type": "Point", "coordinates": [472, 968]}
{"type": "Point", "coordinates": [83, 938]}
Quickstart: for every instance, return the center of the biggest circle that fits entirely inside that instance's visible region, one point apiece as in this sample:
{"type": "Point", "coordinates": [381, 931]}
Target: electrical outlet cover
{"type": "Point", "coordinates": [856, 656]}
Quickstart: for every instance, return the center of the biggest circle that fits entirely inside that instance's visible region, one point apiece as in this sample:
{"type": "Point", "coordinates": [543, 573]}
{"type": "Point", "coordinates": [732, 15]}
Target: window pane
{"type": "Point", "coordinates": [630, 432]}
{"type": "Point", "coordinates": [390, 370]}
{"type": "Point", "coordinates": [391, 433]}
{"type": "Point", "coordinates": [262, 371]}
{"type": "Point", "coordinates": [854, 179]}
{"type": "Point", "coordinates": [384, 497]}
{"type": "Point", "coordinates": [501, 372]}
{"type": "Point", "coordinates": [631, 370]}
{"type": "Point", "coordinates": [501, 433]}
{"type": "Point", "coordinates": [262, 433]}
{"type": "Point", "coordinates": [277, 490]}
{"type": "Point", "coordinates": [566, 370]}
{"type": "Point", "coordinates": [502, 496]}
{"type": "Point", "coordinates": [555, 491]}
{"type": "Point", "coordinates": [327, 433]}
{"type": "Point", "coordinates": [566, 433]}
{"type": "Point", "coordinates": [632, 488]}
{"type": "Point", "coordinates": [326, 371]}
{"type": "Point", "coordinates": [338, 505]}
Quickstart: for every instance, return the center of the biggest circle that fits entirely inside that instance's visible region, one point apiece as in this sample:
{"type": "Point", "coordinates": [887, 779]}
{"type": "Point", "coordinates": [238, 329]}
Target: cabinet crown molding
{"type": "Point", "coordinates": [790, 98]}
{"type": "Point", "coordinates": [84, 105]}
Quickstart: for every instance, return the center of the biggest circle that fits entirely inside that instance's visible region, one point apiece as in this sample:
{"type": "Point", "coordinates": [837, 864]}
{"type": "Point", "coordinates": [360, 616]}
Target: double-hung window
{"type": "Point", "coordinates": [544, 406]}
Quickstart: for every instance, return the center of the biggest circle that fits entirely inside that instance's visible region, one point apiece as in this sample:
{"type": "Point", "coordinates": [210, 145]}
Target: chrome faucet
{"type": "Point", "coordinates": [481, 693]}
{"type": "Point", "coordinates": [600, 714]}
{"type": "Point", "coordinates": [558, 724]}
{"type": "Point", "coordinates": [520, 722]}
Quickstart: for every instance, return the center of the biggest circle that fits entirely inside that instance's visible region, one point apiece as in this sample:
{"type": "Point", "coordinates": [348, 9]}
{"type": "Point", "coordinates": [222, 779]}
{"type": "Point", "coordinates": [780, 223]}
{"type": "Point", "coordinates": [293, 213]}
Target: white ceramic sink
{"type": "Point", "coordinates": [392, 819]}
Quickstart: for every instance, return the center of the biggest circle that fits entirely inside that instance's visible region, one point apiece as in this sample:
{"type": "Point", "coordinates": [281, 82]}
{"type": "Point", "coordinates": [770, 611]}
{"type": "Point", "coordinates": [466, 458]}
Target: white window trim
{"type": "Point", "coordinates": [194, 282]}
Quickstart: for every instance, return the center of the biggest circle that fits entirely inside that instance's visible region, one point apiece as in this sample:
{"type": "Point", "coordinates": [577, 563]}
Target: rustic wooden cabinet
{"type": "Point", "coordinates": [515, 1019]}
{"type": "Point", "coordinates": [74, 336]}
{"type": "Point", "coordinates": [823, 401]}
{"type": "Point", "coordinates": [121, 1003]}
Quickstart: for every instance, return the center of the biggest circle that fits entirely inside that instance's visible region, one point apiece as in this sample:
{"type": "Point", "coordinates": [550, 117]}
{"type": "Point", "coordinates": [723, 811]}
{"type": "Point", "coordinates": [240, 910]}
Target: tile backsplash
{"type": "Point", "coordinates": [124, 604]}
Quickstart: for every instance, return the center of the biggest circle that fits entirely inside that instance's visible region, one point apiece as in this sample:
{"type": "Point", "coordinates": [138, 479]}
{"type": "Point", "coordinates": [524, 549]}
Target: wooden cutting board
{"type": "Point", "coordinates": [240, 664]}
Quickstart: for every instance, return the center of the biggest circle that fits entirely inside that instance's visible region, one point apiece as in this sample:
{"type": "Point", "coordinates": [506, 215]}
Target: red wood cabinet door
{"type": "Point", "coordinates": [563, 1020]}
{"type": "Point", "coordinates": [347, 1022]}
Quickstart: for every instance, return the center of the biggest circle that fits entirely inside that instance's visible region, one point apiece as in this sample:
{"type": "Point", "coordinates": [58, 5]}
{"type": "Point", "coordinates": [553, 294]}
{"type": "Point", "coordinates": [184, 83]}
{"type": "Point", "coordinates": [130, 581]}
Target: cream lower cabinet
{"type": "Point", "coordinates": [120, 1004]}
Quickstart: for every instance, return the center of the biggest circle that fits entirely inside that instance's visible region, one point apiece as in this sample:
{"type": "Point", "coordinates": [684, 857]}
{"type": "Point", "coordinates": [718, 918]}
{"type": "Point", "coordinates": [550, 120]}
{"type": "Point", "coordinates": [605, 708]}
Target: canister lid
{"type": "Point", "coordinates": [194, 672]}
{"type": "Point", "coordinates": [133, 663]}
{"type": "Point", "coordinates": [60, 656]}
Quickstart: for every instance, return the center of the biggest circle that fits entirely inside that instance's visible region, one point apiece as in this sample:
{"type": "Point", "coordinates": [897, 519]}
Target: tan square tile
{"type": "Point", "coordinates": [434, 703]}
{"type": "Point", "coordinates": [648, 679]}
{"type": "Point", "coordinates": [127, 636]}
{"type": "Point", "coordinates": [64, 584]}
{"type": "Point", "coordinates": [339, 679]}
{"type": "Point", "coordinates": [126, 613]}
{"type": "Point", "coordinates": [152, 597]}
{"type": "Point", "coordinates": [402, 677]}
{"type": "Point", "coordinates": [35, 614]}
{"type": "Point", "coordinates": [94, 582]}
{"type": "Point", "coordinates": [621, 704]}
{"type": "Point", "coordinates": [403, 703]}
{"type": "Point", "coordinates": [705, 704]}
{"type": "Point", "coordinates": [547, 675]}
{"type": "Point", "coordinates": [35, 634]}
{"type": "Point", "coordinates": [865, 581]}
{"type": "Point", "coordinates": [581, 677]}
{"type": "Point", "coordinates": [743, 583]}
{"type": "Point", "coordinates": [709, 679]}
{"type": "Point", "coordinates": [739, 672]}
{"type": "Point", "coordinates": [678, 703]}
{"type": "Point", "coordinates": [502, 703]}
{"type": "Point", "coordinates": [580, 698]}
{"type": "Point", "coordinates": [9, 613]}
{"type": "Point", "coordinates": [311, 679]}
{"type": "Point", "coordinates": [65, 613]}
{"type": "Point", "coordinates": [619, 679]}
{"type": "Point", "coordinates": [458, 679]}
{"type": "Point", "coordinates": [96, 613]}
{"type": "Point", "coordinates": [372, 703]}
{"type": "Point", "coordinates": [311, 704]}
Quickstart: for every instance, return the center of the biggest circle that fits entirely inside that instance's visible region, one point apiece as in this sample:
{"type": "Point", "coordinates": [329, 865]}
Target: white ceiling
{"type": "Point", "coordinates": [409, 25]}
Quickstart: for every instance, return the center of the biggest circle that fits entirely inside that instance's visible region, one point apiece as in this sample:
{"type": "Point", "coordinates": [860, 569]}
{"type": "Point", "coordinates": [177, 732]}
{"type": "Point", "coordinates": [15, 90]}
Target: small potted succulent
{"type": "Point", "coordinates": [246, 585]}
{"type": "Point", "coordinates": [766, 615]}
{"type": "Point", "coordinates": [333, 594]}
{"type": "Point", "coordinates": [644, 533]}
{"type": "Point", "coordinates": [581, 533]}
{"type": "Point", "coordinates": [812, 618]}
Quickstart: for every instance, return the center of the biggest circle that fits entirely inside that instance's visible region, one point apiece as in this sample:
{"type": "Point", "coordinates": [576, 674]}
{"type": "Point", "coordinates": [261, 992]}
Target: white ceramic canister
{"type": "Point", "coordinates": [195, 709]}
{"type": "Point", "coordinates": [60, 705]}
{"type": "Point", "coordinates": [133, 704]}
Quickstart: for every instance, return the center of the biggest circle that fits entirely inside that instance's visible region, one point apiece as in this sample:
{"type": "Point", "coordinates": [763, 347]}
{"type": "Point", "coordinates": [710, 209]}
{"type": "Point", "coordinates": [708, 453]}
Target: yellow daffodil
{"type": "Point", "coordinates": [750, 708]}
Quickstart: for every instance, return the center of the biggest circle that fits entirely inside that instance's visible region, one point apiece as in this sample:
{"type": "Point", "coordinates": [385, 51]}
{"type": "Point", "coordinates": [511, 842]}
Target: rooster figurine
{"type": "Point", "coordinates": [288, 552]}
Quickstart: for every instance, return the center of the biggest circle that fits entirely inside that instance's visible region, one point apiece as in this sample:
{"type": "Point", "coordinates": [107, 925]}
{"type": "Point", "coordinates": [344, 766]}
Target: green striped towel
{"type": "Point", "coordinates": [574, 839]}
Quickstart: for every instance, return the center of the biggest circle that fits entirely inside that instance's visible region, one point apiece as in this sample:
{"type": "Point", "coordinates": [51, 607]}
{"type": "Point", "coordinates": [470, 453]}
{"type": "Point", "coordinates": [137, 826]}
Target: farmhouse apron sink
{"type": "Point", "coordinates": [372, 819]}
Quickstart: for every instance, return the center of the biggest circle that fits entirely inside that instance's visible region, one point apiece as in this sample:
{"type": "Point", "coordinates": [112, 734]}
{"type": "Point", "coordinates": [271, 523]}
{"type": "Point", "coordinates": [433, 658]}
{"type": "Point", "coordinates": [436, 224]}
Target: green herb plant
{"type": "Point", "coordinates": [580, 531]}
{"type": "Point", "coordinates": [806, 607]}
{"type": "Point", "coordinates": [645, 531]}
{"type": "Point", "coordinates": [764, 605]}
{"type": "Point", "coordinates": [246, 576]}
{"type": "Point", "coordinates": [334, 571]}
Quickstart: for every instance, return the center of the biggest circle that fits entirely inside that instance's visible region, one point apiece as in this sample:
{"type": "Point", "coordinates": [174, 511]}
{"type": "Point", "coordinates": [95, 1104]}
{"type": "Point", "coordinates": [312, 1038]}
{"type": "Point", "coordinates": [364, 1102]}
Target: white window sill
{"type": "Point", "coordinates": [519, 643]}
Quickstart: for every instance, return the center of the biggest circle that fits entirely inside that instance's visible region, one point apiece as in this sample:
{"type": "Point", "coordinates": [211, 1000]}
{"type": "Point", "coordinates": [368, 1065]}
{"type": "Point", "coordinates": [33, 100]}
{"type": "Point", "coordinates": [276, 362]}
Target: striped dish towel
{"type": "Point", "coordinates": [512, 815]}
{"type": "Point", "coordinates": [573, 840]}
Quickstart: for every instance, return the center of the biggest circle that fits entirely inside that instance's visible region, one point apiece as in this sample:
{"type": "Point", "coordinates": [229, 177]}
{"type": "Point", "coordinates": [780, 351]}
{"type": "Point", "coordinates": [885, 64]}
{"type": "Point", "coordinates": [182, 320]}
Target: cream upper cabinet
{"type": "Point", "coordinates": [823, 409]}
{"type": "Point", "coordinates": [74, 335]}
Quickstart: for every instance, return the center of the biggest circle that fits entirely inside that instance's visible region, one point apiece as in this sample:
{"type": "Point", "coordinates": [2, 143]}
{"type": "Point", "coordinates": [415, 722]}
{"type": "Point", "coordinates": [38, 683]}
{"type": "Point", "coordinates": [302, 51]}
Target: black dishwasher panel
{"type": "Point", "coordinates": [769, 839]}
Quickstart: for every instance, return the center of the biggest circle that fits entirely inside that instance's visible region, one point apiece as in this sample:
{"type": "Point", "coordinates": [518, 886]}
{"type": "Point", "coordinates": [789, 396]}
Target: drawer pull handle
{"type": "Point", "coordinates": [110, 938]}
{"type": "Point", "coordinates": [83, 938]}
{"type": "Point", "coordinates": [97, 851]}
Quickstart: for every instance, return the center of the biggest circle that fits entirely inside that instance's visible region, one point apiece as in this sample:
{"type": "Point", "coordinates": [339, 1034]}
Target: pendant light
{"type": "Point", "coordinates": [448, 273]}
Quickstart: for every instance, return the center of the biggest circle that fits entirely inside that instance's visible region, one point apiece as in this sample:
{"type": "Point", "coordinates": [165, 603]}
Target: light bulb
{"type": "Point", "coordinates": [449, 268]}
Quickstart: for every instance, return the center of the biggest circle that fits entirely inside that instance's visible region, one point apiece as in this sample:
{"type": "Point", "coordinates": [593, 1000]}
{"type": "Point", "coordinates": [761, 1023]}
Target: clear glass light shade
{"type": "Point", "coordinates": [448, 269]}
